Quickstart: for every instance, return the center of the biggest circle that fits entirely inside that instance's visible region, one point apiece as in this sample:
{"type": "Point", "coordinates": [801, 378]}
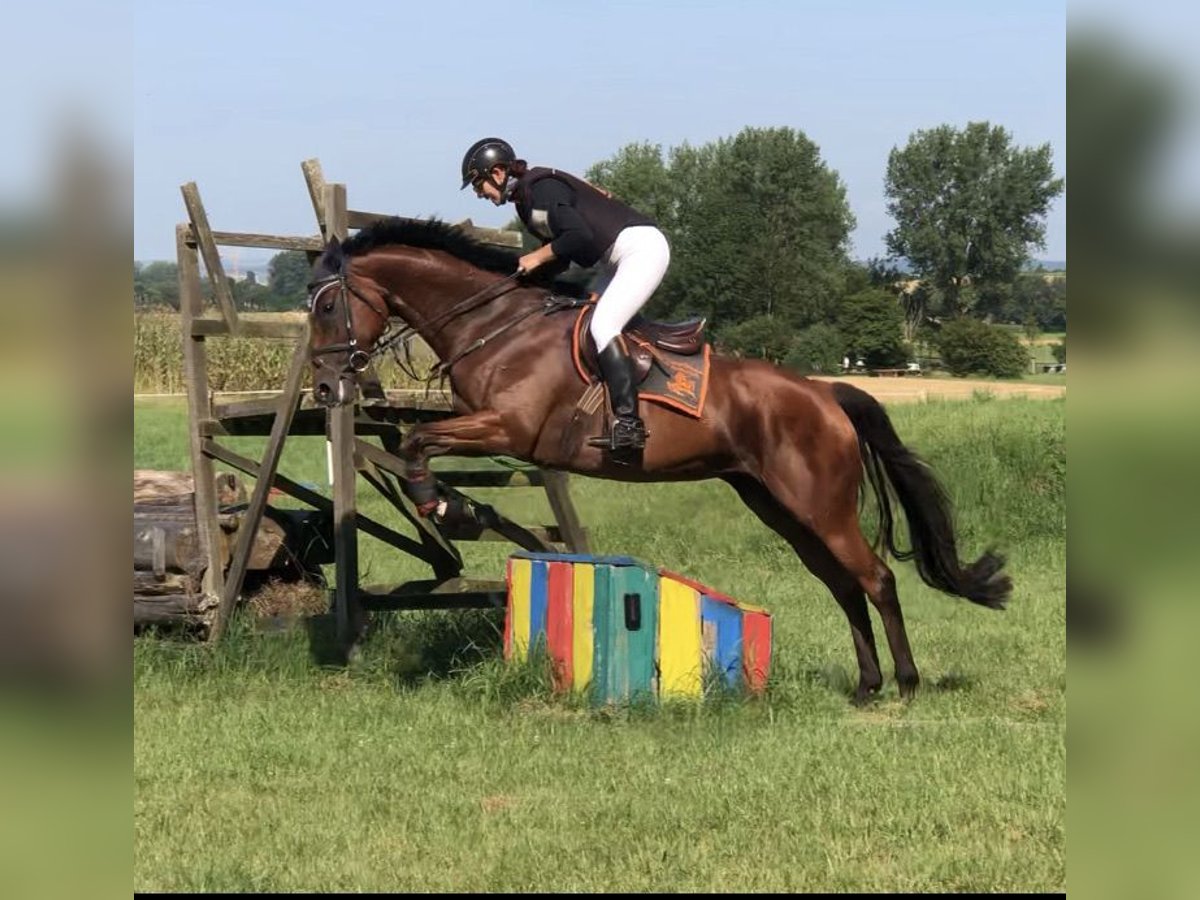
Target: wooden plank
{"type": "Point", "coordinates": [680, 654]}
{"type": "Point", "coordinates": [520, 579]}
{"type": "Point", "coordinates": [541, 538]}
{"type": "Point", "coordinates": [314, 178]}
{"type": "Point", "coordinates": [312, 498]}
{"type": "Point", "coordinates": [182, 608]}
{"type": "Point", "coordinates": [559, 624]}
{"type": "Point", "coordinates": [148, 584]}
{"type": "Point", "coordinates": [248, 529]}
{"type": "Point", "coordinates": [583, 588]}
{"type": "Point", "coordinates": [208, 250]}
{"type": "Point", "coordinates": [634, 589]}
{"type": "Point", "coordinates": [266, 241]}
{"type": "Point", "coordinates": [400, 399]}
{"type": "Point", "coordinates": [195, 371]}
{"type": "Point", "coordinates": [756, 652]}
{"type": "Point", "coordinates": [250, 328]}
{"type": "Point", "coordinates": [451, 593]}
{"type": "Point", "coordinates": [726, 654]}
{"type": "Point", "coordinates": [558, 492]}
{"type": "Point", "coordinates": [334, 203]}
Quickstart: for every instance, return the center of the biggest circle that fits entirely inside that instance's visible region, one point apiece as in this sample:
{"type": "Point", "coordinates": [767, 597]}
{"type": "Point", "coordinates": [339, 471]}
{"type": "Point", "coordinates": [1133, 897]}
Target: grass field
{"type": "Point", "coordinates": [429, 767]}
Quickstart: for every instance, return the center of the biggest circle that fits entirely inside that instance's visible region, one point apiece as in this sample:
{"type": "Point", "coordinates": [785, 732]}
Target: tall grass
{"type": "Point", "coordinates": [234, 364]}
{"type": "Point", "coordinates": [429, 765]}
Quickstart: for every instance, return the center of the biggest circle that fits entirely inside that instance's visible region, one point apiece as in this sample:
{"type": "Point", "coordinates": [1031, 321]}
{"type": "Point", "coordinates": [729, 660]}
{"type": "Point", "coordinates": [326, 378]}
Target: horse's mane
{"type": "Point", "coordinates": [434, 234]}
{"type": "Point", "coordinates": [431, 234]}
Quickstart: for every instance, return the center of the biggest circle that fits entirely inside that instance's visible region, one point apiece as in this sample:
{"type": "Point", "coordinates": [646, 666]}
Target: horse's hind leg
{"type": "Point", "coordinates": [817, 558]}
{"type": "Point", "coordinates": [846, 542]}
{"type": "Point", "coordinates": [835, 526]}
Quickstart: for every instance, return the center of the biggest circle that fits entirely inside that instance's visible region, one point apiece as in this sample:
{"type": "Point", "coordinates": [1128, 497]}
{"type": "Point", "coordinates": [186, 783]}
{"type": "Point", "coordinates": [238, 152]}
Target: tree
{"type": "Point", "coordinates": [968, 206]}
{"type": "Point", "coordinates": [637, 175]}
{"type": "Point", "coordinates": [758, 225]}
{"type": "Point", "coordinates": [156, 284]}
{"type": "Point", "coordinates": [288, 275]}
{"type": "Point", "coordinates": [816, 350]}
{"type": "Point", "coordinates": [870, 323]}
{"type": "Point", "coordinates": [968, 345]}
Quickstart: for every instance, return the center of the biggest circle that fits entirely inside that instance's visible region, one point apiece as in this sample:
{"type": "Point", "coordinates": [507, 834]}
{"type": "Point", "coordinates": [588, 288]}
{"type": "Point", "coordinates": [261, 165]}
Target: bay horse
{"type": "Point", "coordinates": [795, 450]}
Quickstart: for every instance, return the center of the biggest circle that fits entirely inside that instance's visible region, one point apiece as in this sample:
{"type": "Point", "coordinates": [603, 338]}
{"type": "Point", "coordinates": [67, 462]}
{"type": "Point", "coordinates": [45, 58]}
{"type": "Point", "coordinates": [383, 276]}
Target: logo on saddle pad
{"type": "Point", "coordinates": [671, 362]}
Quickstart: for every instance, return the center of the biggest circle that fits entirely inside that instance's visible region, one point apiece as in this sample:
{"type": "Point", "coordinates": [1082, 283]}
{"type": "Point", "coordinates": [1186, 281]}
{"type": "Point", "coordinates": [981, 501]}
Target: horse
{"type": "Point", "coordinates": [799, 453]}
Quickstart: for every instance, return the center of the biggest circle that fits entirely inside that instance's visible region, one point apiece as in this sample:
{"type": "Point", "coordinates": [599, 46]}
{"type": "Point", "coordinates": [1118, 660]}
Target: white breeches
{"type": "Point", "coordinates": [626, 276]}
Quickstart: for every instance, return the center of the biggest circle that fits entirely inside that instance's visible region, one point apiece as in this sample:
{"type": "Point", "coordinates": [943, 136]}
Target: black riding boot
{"type": "Point", "coordinates": [628, 431]}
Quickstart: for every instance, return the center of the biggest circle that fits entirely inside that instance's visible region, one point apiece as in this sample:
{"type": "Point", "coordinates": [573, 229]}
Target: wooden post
{"type": "Point", "coordinates": [559, 495]}
{"type": "Point", "coordinates": [212, 258]}
{"type": "Point", "coordinates": [195, 370]}
{"type": "Point", "coordinates": [347, 610]}
{"type": "Point", "coordinates": [248, 529]}
{"type": "Point", "coordinates": [315, 179]}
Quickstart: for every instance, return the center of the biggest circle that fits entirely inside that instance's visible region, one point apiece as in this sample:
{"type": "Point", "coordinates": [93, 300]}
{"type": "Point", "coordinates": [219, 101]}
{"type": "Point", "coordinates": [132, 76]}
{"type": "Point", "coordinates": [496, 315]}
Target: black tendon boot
{"type": "Point", "coordinates": [628, 431]}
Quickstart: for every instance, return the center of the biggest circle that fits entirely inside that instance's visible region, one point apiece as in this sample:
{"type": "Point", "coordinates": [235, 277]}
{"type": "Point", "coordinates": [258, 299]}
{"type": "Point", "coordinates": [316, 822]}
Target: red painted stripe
{"type": "Point", "coordinates": [756, 649]}
{"type": "Point", "coordinates": [560, 635]}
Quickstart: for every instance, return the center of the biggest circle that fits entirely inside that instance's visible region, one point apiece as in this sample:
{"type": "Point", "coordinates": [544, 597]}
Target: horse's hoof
{"type": "Point", "coordinates": [866, 693]}
{"type": "Point", "coordinates": [908, 686]}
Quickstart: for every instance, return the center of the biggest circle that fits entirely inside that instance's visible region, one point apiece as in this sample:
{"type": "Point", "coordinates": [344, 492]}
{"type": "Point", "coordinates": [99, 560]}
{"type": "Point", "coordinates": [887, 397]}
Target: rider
{"type": "Point", "coordinates": [581, 223]}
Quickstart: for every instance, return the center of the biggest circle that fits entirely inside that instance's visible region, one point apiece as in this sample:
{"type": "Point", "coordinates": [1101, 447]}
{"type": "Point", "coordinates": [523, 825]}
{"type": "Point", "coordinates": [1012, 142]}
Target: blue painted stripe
{"type": "Point", "coordinates": [728, 622]}
{"type": "Point", "coordinates": [539, 584]}
{"type": "Point", "coordinates": [584, 558]}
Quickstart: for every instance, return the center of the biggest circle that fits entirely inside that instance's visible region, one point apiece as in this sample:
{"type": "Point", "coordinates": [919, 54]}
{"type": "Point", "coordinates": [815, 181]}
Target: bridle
{"type": "Point", "coordinates": [359, 359]}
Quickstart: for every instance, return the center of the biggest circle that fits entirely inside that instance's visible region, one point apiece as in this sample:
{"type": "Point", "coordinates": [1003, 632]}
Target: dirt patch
{"type": "Point", "coordinates": [913, 390]}
{"type": "Point", "coordinates": [283, 599]}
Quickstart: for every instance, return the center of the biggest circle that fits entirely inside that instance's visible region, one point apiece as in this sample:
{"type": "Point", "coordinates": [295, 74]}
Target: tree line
{"type": "Point", "coordinates": [759, 227]}
{"type": "Point", "coordinates": [156, 284]}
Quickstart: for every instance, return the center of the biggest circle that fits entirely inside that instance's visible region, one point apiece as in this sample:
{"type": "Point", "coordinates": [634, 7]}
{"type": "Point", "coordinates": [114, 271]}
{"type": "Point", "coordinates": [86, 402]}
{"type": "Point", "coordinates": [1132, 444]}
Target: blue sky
{"type": "Point", "coordinates": [389, 95]}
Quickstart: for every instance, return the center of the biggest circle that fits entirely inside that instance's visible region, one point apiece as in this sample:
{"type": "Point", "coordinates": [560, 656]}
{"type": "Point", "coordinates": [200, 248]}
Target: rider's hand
{"type": "Point", "coordinates": [531, 261]}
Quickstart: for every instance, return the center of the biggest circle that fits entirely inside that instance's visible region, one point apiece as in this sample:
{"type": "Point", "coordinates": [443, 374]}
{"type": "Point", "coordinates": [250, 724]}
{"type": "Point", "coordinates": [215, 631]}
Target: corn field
{"type": "Point", "coordinates": [234, 364]}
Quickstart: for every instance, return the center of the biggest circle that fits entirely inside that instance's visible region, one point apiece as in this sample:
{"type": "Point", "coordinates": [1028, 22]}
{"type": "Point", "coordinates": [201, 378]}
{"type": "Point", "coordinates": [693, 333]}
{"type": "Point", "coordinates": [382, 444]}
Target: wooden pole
{"type": "Point", "coordinates": [212, 257]}
{"type": "Point", "coordinates": [195, 369]}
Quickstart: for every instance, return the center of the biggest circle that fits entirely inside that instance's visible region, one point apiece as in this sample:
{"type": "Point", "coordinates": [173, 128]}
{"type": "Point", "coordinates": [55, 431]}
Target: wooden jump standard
{"type": "Point", "coordinates": [376, 413]}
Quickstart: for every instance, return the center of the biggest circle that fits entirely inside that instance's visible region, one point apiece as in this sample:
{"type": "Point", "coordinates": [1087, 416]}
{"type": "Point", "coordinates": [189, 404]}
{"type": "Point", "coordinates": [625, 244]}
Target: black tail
{"type": "Point", "coordinates": [934, 550]}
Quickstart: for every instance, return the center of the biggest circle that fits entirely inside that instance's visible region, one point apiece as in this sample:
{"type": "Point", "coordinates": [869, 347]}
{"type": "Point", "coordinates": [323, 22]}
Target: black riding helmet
{"type": "Point", "coordinates": [482, 156]}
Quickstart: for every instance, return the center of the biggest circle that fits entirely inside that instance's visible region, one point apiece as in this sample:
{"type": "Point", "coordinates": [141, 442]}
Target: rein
{"type": "Point", "coordinates": [359, 359]}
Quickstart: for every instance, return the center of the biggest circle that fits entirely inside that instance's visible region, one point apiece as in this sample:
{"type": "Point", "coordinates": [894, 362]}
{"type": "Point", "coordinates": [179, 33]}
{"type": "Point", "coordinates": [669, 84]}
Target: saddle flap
{"type": "Point", "coordinates": [662, 374]}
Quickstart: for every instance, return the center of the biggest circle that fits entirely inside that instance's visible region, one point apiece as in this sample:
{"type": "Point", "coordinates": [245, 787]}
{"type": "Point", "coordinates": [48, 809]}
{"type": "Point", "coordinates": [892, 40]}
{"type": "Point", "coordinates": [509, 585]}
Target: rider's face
{"type": "Point", "coordinates": [488, 189]}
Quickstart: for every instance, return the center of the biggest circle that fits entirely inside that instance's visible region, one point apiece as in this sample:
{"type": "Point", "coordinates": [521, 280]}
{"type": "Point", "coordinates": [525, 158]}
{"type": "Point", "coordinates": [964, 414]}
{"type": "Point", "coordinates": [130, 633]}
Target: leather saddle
{"type": "Point", "coordinates": [641, 336]}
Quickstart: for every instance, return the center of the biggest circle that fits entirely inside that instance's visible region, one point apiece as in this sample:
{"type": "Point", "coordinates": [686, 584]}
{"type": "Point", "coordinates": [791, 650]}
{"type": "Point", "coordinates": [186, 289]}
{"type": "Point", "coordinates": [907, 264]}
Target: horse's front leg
{"type": "Point", "coordinates": [477, 434]}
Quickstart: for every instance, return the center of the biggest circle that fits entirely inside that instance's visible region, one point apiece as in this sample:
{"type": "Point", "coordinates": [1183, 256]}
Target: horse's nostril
{"type": "Point", "coordinates": [323, 391]}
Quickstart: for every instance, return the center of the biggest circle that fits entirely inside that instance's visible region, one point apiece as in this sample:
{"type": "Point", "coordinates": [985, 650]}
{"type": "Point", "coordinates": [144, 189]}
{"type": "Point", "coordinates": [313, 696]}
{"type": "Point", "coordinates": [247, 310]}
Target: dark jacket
{"type": "Point", "coordinates": [578, 221]}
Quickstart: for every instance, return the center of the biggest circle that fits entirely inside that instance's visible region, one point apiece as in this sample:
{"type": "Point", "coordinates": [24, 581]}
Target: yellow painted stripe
{"type": "Point", "coordinates": [679, 657]}
{"type": "Point", "coordinates": [522, 574]}
{"type": "Point", "coordinates": [582, 638]}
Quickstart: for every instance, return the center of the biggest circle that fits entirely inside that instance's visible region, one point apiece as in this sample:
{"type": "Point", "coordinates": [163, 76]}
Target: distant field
{"type": "Point", "coordinates": [430, 767]}
{"type": "Point", "coordinates": [911, 389]}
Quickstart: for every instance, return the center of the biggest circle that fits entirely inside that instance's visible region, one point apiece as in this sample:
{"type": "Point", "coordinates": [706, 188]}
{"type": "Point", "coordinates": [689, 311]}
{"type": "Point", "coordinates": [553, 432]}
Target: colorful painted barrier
{"type": "Point", "coordinates": [621, 629]}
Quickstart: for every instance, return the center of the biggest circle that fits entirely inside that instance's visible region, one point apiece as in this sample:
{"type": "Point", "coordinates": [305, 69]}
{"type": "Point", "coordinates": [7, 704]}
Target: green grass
{"type": "Point", "coordinates": [430, 766]}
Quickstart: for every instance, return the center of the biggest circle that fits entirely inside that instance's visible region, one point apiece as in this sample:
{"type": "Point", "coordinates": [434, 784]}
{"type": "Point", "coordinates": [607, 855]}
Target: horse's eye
{"type": "Point", "coordinates": [328, 307]}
